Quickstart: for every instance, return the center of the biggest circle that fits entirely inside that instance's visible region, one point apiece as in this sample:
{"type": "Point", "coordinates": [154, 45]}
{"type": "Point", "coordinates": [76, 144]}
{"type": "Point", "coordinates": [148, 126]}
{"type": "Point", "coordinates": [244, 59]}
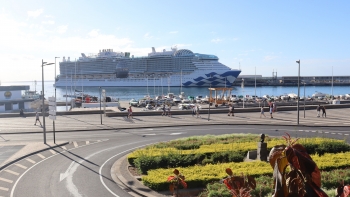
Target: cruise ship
{"type": "Point", "coordinates": [166, 68]}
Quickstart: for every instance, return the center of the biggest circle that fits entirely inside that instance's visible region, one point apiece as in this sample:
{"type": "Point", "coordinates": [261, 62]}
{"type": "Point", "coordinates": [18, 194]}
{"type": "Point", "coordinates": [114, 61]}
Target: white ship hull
{"type": "Point", "coordinates": [198, 79]}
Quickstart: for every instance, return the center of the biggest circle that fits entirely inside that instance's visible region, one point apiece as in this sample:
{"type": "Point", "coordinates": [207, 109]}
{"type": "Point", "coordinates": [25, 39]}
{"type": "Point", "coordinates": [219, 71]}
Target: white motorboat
{"type": "Point", "coordinates": [182, 95]}
{"type": "Point", "coordinates": [185, 100]}
{"type": "Point", "coordinates": [177, 99]}
{"type": "Point", "coordinates": [319, 94]}
{"type": "Point", "coordinates": [293, 95]}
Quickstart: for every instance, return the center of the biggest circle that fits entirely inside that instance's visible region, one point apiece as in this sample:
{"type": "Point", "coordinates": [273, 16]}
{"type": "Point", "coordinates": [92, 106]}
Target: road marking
{"type": "Point", "coordinates": [326, 132]}
{"type": "Point", "coordinates": [149, 134]}
{"type": "Point", "coordinates": [313, 131]}
{"type": "Point", "coordinates": [21, 166]}
{"type": "Point", "coordinates": [87, 142]}
{"type": "Point", "coordinates": [307, 131]}
{"type": "Point", "coordinates": [15, 185]}
{"type": "Point", "coordinates": [75, 144]}
{"type": "Point", "coordinates": [100, 171]}
{"type": "Point", "coordinates": [12, 172]}
{"type": "Point", "coordinates": [301, 130]}
{"type": "Point", "coordinates": [31, 161]}
{"type": "Point", "coordinates": [53, 152]}
{"type": "Point", "coordinates": [3, 188]}
{"type": "Point", "coordinates": [333, 133]}
{"type": "Point", "coordinates": [175, 133]}
{"type": "Point", "coordinates": [64, 147]}
{"type": "Point", "coordinates": [346, 134]}
{"type": "Point", "coordinates": [340, 134]}
{"type": "Point", "coordinates": [41, 156]}
{"type": "Point", "coordinates": [6, 180]}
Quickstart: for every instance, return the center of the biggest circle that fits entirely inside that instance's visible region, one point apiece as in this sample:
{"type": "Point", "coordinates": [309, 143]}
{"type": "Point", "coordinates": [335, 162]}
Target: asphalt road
{"type": "Point", "coordinates": [83, 168]}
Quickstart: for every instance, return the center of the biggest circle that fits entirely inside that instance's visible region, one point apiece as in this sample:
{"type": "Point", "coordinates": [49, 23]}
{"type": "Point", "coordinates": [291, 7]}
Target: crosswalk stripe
{"type": "Point", "coordinates": [87, 142]}
{"type": "Point", "coordinates": [21, 166]}
{"type": "Point", "coordinates": [4, 188]}
{"type": "Point", "coordinates": [64, 147]}
{"type": "Point", "coordinates": [41, 156]}
{"type": "Point", "coordinates": [12, 172]}
{"type": "Point", "coordinates": [75, 144]}
{"type": "Point", "coordinates": [6, 180]}
{"type": "Point", "coordinates": [31, 161]}
{"type": "Point", "coordinates": [53, 152]}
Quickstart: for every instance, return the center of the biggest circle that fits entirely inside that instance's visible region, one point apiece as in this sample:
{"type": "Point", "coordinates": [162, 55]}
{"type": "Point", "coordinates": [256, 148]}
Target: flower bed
{"type": "Point", "coordinates": [200, 176]}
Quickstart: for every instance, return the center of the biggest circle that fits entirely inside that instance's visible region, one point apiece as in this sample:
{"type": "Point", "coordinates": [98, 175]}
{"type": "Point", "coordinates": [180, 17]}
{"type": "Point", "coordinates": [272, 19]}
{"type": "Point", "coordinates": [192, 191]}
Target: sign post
{"type": "Point", "coordinates": [52, 114]}
{"type": "Point", "coordinates": [104, 100]}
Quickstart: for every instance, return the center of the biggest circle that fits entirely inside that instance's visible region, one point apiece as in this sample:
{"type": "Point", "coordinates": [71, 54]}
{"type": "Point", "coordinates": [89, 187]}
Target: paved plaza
{"type": "Point", "coordinates": [335, 118]}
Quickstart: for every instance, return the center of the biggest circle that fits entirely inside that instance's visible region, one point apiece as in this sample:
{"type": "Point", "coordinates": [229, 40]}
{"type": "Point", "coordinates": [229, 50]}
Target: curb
{"type": "Point", "coordinates": [122, 182]}
{"type": "Point", "coordinates": [30, 154]}
{"type": "Point", "coordinates": [179, 125]}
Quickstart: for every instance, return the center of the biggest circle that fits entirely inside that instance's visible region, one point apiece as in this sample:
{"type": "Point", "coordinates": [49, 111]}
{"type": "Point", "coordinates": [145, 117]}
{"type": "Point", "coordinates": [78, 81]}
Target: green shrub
{"type": "Point", "coordinates": [207, 161]}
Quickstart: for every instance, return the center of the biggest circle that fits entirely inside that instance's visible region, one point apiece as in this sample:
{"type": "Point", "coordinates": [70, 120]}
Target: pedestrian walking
{"type": "Point", "coordinates": [130, 112]}
{"type": "Point", "coordinates": [262, 112]}
{"type": "Point", "coordinates": [37, 119]}
{"type": "Point", "coordinates": [318, 110]}
{"type": "Point", "coordinates": [21, 113]}
{"type": "Point", "coordinates": [324, 112]}
{"type": "Point", "coordinates": [169, 109]}
{"type": "Point", "coordinates": [197, 111]}
{"type": "Point", "coordinates": [193, 111]}
{"type": "Point", "coordinates": [229, 110]}
{"type": "Point", "coordinates": [271, 111]}
{"type": "Point", "coordinates": [164, 112]}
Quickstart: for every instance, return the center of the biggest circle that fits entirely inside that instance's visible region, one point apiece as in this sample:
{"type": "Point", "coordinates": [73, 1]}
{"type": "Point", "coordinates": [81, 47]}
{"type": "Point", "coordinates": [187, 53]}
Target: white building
{"type": "Point", "coordinates": [14, 98]}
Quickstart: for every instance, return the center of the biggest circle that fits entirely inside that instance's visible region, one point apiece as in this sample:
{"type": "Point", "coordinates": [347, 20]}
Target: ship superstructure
{"type": "Point", "coordinates": [167, 68]}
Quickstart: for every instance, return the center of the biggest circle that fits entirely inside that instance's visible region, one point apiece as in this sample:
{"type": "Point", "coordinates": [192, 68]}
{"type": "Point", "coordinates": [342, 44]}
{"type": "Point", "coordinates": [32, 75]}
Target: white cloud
{"type": "Point", "coordinates": [216, 40]}
{"type": "Point", "coordinates": [48, 16]}
{"type": "Point", "coordinates": [147, 36]}
{"type": "Point", "coordinates": [62, 29]}
{"type": "Point", "coordinates": [173, 32]}
{"type": "Point", "coordinates": [270, 57]}
{"type": "Point", "coordinates": [35, 13]}
{"type": "Point", "coordinates": [48, 22]}
{"type": "Point", "coordinates": [93, 33]}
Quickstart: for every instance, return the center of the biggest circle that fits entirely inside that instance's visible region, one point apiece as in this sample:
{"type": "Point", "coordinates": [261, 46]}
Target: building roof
{"type": "Point", "coordinates": [12, 88]}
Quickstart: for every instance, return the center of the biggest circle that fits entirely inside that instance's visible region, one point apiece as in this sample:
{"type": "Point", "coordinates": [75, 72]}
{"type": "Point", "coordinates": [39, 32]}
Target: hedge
{"type": "Point", "coordinates": [151, 158]}
{"type": "Point", "coordinates": [199, 176]}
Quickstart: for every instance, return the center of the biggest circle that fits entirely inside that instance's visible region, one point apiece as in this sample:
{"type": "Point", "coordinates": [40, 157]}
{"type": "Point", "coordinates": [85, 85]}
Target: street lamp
{"type": "Point", "coordinates": [304, 97]}
{"type": "Point", "coordinates": [53, 121]}
{"type": "Point", "coordinates": [298, 62]}
{"type": "Point", "coordinates": [100, 106]}
{"type": "Point", "coordinates": [42, 94]}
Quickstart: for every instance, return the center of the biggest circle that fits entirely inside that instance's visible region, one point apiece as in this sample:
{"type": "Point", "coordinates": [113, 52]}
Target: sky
{"type": "Point", "coordinates": [265, 36]}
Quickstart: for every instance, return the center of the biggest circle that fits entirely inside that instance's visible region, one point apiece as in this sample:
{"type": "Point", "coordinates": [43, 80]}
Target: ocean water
{"type": "Point", "coordinates": [127, 93]}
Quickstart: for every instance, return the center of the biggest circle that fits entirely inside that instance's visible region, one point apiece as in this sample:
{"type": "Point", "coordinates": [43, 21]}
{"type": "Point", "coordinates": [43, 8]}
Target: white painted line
{"type": "Point", "coordinates": [75, 144]}
{"type": "Point", "coordinates": [333, 133]}
{"type": "Point", "coordinates": [87, 142]}
{"type": "Point", "coordinates": [12, 172]}
{"type": "Point", "coordinates": [149, 129]}
{"type": "Point", "coordinates": [15, 184]}
{"type": "Point", "coordinates": [31, 161]}
{"type": "Point", "coordinates": [326, 132]}
{"type": "Point", "coordinates": [307, 131]}
{"type": "Point", "coordinates": [41, 156]}
{"type": "Point", "coordinates": [301, 130]}
{"type": "Point", "coordinates": [175, 133]}
{"type": "Point", "coordinates": [98, 140]}
{"type": "Point", "coordinates": [21, 166]}
{"type": "Point", "coordinates": [64, 147]}
{"type": "Point", "coordinates": [4, 189]}
{"type": "Point", "coordinates": [149, 134]}
{"type": "Point", "coordinates": [6, 180]}
{"type": "Point", "coordinates": [313, 131]}
{"type": "Point", "coordinates": [53, 152]}
{"type": "Point", "coordinates": [340, 134]}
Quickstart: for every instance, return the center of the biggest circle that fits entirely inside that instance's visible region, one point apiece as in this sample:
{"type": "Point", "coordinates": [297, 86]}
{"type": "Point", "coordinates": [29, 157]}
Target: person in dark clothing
{"type": "Point", "coordinates": [21, 113]}
{"type": "Point", "coordinates": [324, 112]}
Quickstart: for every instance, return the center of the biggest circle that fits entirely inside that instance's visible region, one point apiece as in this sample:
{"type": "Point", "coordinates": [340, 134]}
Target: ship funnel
{"type": "Point", "coordinates": [153, 50]}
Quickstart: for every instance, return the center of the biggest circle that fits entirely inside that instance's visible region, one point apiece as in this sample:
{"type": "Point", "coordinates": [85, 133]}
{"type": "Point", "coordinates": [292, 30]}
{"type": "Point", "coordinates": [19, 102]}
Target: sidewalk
{"type": "Point", "coordinates": [335, 118]}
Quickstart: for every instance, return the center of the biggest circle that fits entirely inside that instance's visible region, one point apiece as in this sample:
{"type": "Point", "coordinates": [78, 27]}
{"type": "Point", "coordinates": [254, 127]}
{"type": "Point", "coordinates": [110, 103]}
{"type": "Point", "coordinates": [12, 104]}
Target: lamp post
{"type": "Point", "coordinates": [304, 97]}
{"type": "Point", "coordinates": [42, 94]}
{"type": "Point", "coordinates": [53, 121]}
{"type": "Point", "coordinates": [332, 83]}
{"type": "Point", "coordinates": [209, 99]}
{"type": "Point", "coordinates": [100, 106]}
{"type": "Point", "coordinates": [298, 89]}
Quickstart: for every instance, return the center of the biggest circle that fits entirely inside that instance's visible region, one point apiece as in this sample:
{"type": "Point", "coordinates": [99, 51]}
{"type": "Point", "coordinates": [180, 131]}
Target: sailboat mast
{"type": "Point", "coordinates": [75, 77]}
